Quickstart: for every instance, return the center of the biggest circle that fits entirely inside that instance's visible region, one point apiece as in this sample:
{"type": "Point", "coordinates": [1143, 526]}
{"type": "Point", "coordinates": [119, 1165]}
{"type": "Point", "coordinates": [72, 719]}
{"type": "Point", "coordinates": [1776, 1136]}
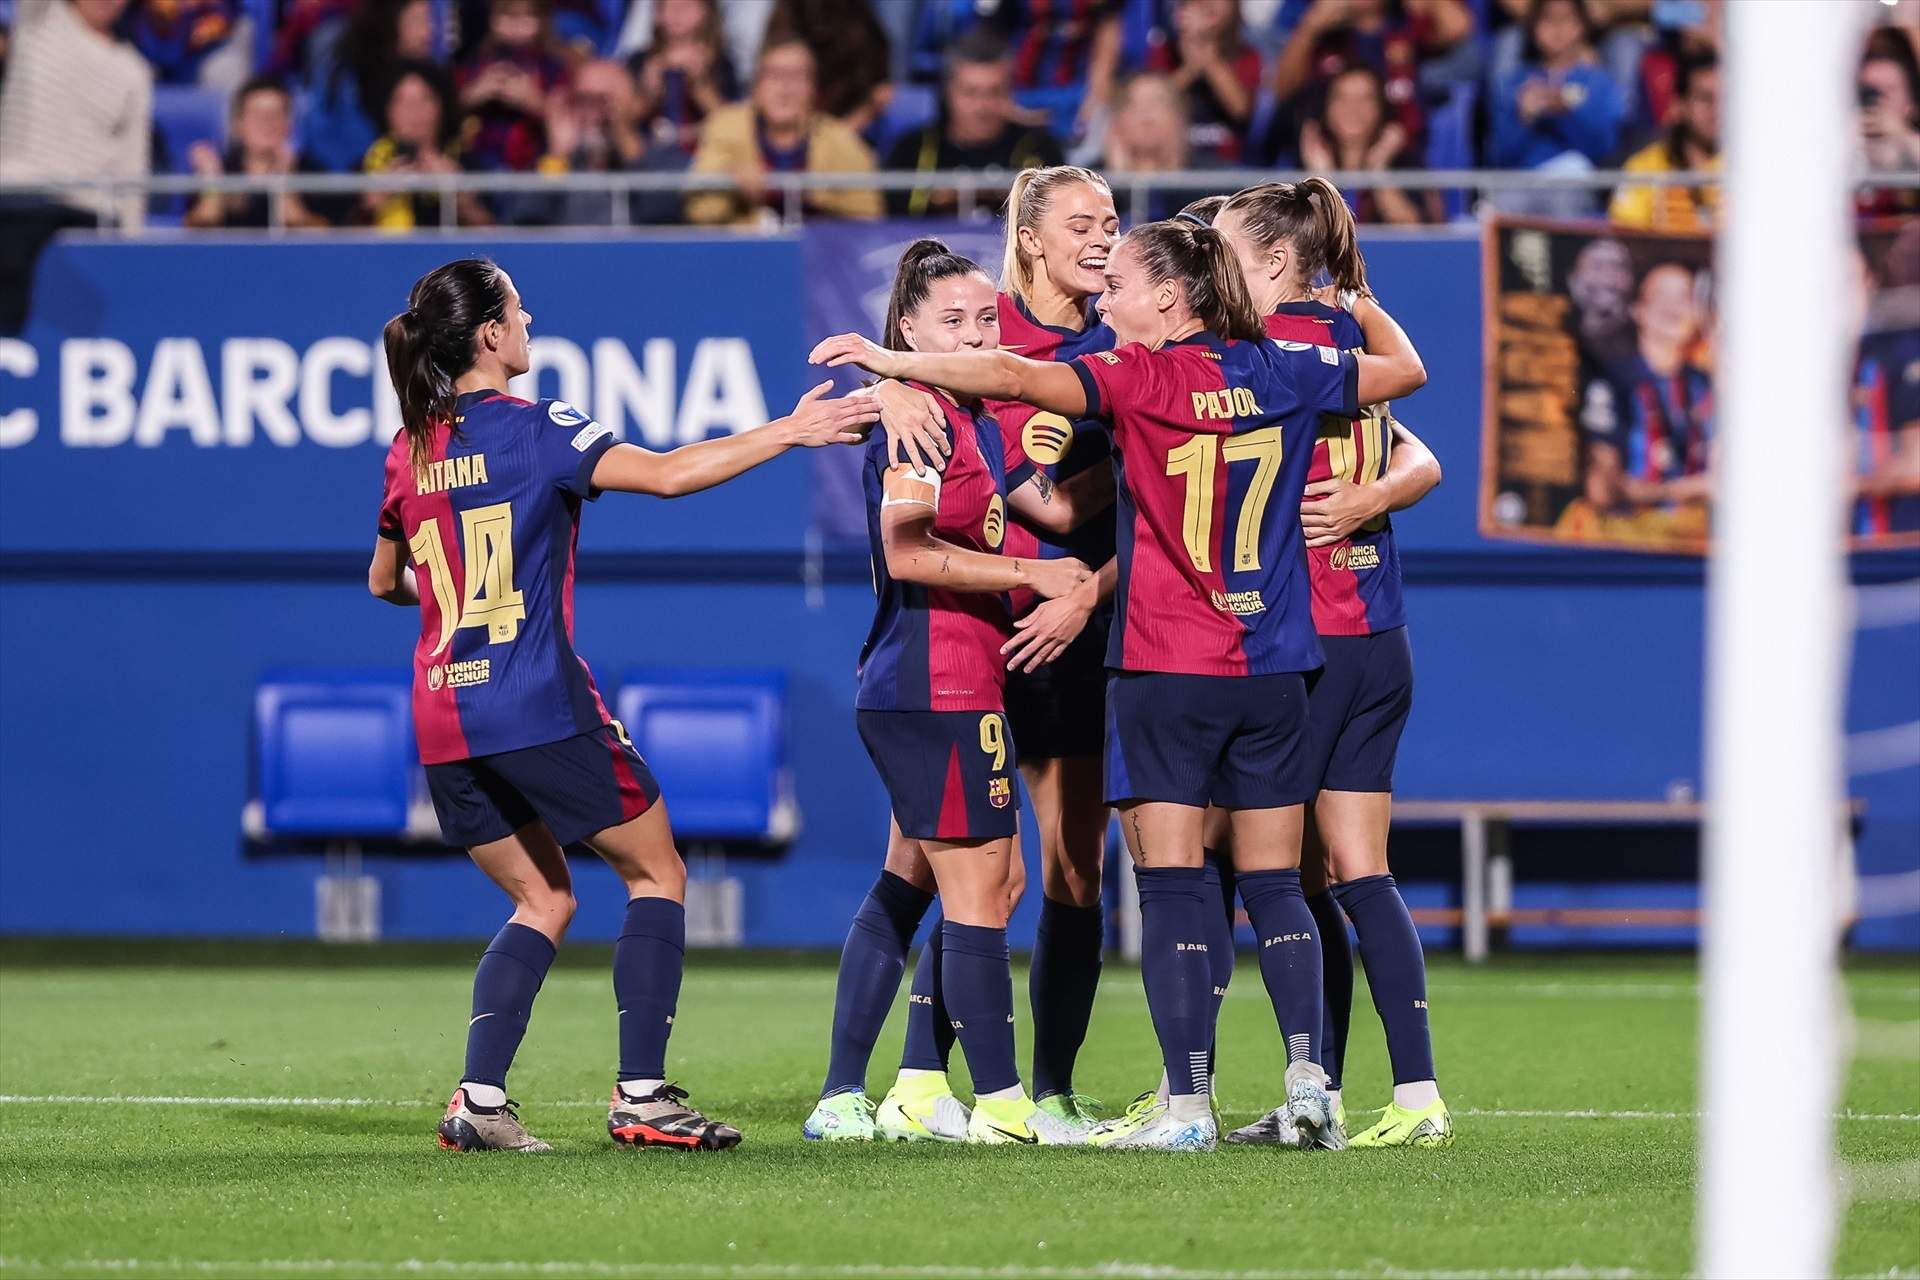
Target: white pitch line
{"type": "Point", "coordinates": [797, 1271]}
{"type": "Point", "coordinates": [239, 1100]}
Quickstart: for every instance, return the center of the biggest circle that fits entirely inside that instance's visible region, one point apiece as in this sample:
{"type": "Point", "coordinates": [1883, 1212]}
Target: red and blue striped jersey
{"type": "Point", "coordinates": [1040, 441]}
{"type": "Point", "coordinates": [491, 528]}
{"type": "Point", "coordinates": [1886, 402]}
{"type": "Point", "coordinates": [931, 649]}
{"type": "Point", "coordinates": [1212, 442]}
{"type": "Point", "coordinates": [1356, 581]}
{"type": "Point", "coordinates": [1661, 423]}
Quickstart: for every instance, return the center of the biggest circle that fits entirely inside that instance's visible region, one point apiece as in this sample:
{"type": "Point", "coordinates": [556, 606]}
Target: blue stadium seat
{"type": "Point", "coordinates": [913, 106]}
{"type": "Point", "coordinates": [335, 754]}
{"type": "Point", "coordinates": [1450, 140]}
{"type": "Point", "coordinates": [716, 739]}
{"type": "Point", "coordinates": [184, 114]}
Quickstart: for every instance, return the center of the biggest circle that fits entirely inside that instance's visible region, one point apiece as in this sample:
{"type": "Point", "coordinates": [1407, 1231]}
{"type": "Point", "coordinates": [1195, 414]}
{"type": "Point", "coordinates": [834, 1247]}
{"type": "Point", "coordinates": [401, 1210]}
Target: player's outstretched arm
{"type": "Point", "coordinates": [388, 577]}
{"type": "Point", "coordinates": [998, 375]}
{"type": "Point", "coordinates": [1331, 510]}
{"type": "Point", "coordinates": [814, 422]}
{"type": "Point", "coordinates": [1059, 508]}
{"type": "Point", "coordinates": [1390, 367]}
{"type": "Point", "coordinates": [1050, 626]}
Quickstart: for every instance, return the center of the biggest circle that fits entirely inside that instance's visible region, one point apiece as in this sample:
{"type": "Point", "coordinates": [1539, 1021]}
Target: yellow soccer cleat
{"type": "Point", "coordinates": [1430, 1126]}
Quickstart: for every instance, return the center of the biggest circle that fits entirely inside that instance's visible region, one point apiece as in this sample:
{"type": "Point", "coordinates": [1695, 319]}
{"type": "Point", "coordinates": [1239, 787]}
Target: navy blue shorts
{"type": "Point", "coordinates": [1240, 742]}
{"type": "Point", "coordinates": [948, 773]}
{"type": "Point", "coordinates": [1060, 710]}
{"type": "Point", "coordinates": [577, 786]}
{"type": "Point", "coordinates": [1357, 705]}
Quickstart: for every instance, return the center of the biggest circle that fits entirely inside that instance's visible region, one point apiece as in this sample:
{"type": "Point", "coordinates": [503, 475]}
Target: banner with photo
{"type": "Point", "coordinates": [1599, 414]}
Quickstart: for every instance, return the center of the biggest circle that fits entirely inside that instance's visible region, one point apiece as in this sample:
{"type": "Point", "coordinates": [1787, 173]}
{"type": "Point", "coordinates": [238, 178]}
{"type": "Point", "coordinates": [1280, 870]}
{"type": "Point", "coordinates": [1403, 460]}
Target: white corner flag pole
{"type": "Point", "coordinates": [1776, 622]}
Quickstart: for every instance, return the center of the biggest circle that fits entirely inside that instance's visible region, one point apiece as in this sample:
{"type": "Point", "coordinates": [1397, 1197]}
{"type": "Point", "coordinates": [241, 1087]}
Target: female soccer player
{"type": "Point", "coordinates": [1213, 630]}
{"type": "Point", "coordinates": [483, 495]}
{"type": "Point", "coordinates": [933, 719]}
{"type": "Point", "coordinates": [1060, 227]}
{"type": "Point", "coordinates": [1363, 468]}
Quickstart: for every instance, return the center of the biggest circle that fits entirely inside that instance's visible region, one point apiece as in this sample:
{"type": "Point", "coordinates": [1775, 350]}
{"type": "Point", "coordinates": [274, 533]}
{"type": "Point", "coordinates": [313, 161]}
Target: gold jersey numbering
{"type": "Point", "coordinates": [1196, 460]}
{"type": "Point", "coordinates": [492, 601]}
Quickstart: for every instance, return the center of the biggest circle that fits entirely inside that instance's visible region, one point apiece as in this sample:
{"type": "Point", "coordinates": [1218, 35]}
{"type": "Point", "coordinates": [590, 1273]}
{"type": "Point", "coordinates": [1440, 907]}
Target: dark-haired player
{"type": "Point", "coordinates": [477, 528]}
{"type": "Point", "coordinates": [1213, 629]}
{"type": "Point", "coordinates": [932, 715]}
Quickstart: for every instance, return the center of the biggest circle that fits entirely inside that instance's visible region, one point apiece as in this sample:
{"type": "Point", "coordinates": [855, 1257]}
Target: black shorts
{"type": "Point", "coordinates": [948, 773]}
{"type": "Point", "coordinates": [1060, 710]}
{"type": "Point", "coordinates": [1240, 742]}
{"type": "Point", "coordinates": [1356, 707]}
{"type": "Point", "coordinates": [577, 786]}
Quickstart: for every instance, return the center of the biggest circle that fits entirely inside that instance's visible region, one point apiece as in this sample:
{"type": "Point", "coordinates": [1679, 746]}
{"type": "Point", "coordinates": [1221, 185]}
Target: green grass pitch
{"type": "Point", "coordinates": [1572, 1081]}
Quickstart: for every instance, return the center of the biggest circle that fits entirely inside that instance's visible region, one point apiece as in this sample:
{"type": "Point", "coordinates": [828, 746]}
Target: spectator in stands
{"type": "Point", "coordinates": [1684, 30]}
{"type": "Point", "coordinates": [1354, 131]}
{"type": "Point", "coordinates": [1558, 111]}
{"type": "Point", "coordinates": [778, 131]}
{"type": "Point", "coordinates": [260, 144]}
{"type": "Point", "coordinates": [504, 85]}
{"type": "Point", "coordinates": [684, 73]}
{"type": "Point", "coordinates": [596, 126]}
{"type": "Point", "coordinates": [1622, 35]}
{"type": "Point", "coordinates": [352, 73]}
{"type": "Point", "coordinates": [1889, 91]}
{"type": "Point", "coordinates": [1391, 36]}
{"type": "Point", "coordinates": [1066, 53]}
{"type": "Point", "coordinates": [188, 41]}
{"type": "Point", "coordinates": [1148, 135]}
{"type": "Point", "coordinates": [852, 64]}
{"type": "Point", "coordinates": [743, 28]}
{"type": "Point", "coordinates": [1208, 60]}
{"type": "Point", "coordinates": [48, 130]}
{"type": "Point", "coordinates": [421, 115]}
{"type": "Point", "coordinates": [1691, 142]}
{"type": "Point", "coordinates": [976, 129]}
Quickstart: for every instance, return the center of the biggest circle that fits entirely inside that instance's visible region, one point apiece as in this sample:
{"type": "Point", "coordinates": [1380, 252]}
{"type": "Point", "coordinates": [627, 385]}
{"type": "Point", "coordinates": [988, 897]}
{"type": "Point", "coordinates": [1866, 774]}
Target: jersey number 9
{"type": "Point", "coordinates": [1196, 460]}
{"type": "Point", "coordinates": [491, 601]}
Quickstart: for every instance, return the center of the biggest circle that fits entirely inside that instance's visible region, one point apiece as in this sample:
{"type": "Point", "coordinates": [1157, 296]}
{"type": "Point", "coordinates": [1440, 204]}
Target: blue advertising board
{"type": "Point", "coordinates": [212, 396]}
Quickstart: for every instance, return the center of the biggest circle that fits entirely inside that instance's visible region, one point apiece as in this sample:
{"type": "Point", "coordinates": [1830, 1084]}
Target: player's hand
{"type": "Point", "coordinates": [1332, 509]}
{"type": "Point", "coordinates": [851, 348]}
{"type": "Point", "coordinates": [1045, 633]}
{"type": "Point", "coordinates": [817, 421]}
{"type": "Point", "coordinates": [1056, 578]}
{"type": "Point", "coordinates": [915, 424]}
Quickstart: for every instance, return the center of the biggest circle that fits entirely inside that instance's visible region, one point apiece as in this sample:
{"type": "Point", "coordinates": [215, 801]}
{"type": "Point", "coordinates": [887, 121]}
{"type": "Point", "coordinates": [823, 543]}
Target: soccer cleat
{"type": "Point", "coordinates": [663, 1119]}
{"type": "Point", "coordinates": [1075, 1110]}
{"type": "Point", "coordinates": [846, 1116]}
{"type": "Point", "coordinates": [467, 1127]}
{"type": "Point", "coordinates": [1274, 1129]}
{"type": "Point", "coordinates": [1398, 1127]}
{"type": "Point", "coordinates": [1149, 1125]}
{"type": "Point", "coordinates": [922, 1108]}
{"type": "Point", "coordinates": [1312, 1110]}
{"type": "Point", "coordinates": [1018, 1120]}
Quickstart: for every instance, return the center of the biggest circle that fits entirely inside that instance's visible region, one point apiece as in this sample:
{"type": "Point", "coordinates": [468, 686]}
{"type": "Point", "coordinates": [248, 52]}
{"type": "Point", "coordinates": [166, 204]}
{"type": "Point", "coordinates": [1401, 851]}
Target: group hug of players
{"type": "Point", "coordinates": [1129, 517]}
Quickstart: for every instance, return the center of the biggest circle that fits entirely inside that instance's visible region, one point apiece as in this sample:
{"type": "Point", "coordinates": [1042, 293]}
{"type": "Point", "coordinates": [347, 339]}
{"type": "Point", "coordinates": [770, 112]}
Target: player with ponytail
{"type": "Point", "coordinates": [1364, 466]}
{"type": "Point", "coordinates": [1213, 633]}
{"type": "Point", "coordinates": [931, 713]}
{"type": "Point", "coordinates": [477, 528]}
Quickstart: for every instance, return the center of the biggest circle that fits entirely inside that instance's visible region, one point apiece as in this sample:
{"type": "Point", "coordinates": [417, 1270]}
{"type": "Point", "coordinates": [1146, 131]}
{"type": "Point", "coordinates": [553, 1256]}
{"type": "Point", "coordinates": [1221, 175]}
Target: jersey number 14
{"type": "Point", "coordinates": [492, 600]}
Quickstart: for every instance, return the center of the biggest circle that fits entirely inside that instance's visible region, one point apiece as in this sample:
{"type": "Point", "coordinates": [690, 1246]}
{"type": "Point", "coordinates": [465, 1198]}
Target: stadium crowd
{"type": "Point", "coordinates": [747, 88]}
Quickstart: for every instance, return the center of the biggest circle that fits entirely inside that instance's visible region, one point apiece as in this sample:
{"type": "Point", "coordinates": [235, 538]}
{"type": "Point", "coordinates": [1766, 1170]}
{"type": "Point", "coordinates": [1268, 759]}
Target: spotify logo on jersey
{"type": "Point", "coordinates": [1047, 437]}
{"type": "Point", "coordinates": [994, 527]}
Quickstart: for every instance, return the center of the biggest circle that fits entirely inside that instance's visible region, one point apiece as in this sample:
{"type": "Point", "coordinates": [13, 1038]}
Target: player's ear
{"type": "Point", "coordinates": [1029, 240]}
{"type": "Point", "coordinates": [906, 332]}
{"type": "Point", "coordinates": [1166, 294]}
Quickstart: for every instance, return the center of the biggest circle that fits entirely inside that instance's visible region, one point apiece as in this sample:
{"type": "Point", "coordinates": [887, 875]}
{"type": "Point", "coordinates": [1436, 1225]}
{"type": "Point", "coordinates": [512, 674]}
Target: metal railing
{"type": "Point", "coordinates": [1133, 191]}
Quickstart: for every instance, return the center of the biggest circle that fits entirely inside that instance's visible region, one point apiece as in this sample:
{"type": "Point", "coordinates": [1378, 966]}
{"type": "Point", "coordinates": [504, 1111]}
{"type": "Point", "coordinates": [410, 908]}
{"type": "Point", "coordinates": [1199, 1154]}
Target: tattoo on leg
{"type": "Point", "coordinates": [1139, 837]}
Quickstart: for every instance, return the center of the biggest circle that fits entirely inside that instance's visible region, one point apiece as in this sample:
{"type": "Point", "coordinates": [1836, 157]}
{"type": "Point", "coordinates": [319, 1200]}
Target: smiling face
{"type": "Point", "coordinates": [262, 122]}
{"type": "Point", "coordinates": [1074, 239]}
{"type": "Point", "coordinates": [783, 90]}
{"type": "Point", "coordinates": [1666, 312]}
{"type": "Point", "coordinates": [960, 313]}
{"type": "Point", "coordinates": [1135, 309]}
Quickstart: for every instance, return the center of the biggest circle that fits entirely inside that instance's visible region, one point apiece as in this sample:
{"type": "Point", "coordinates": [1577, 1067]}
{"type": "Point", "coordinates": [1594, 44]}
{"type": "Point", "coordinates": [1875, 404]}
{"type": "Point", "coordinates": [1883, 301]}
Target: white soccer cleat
{"type": "Point", "coordinates": [1149, 1125]}
{"type": "Point", "coordinates": [1312, 1109]}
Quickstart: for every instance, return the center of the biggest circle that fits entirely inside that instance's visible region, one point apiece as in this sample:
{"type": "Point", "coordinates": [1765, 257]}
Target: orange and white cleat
{"type": "Point", "coordinates": [468, 1127]}
{"type": "Point", "coordinates": [662, 1119]}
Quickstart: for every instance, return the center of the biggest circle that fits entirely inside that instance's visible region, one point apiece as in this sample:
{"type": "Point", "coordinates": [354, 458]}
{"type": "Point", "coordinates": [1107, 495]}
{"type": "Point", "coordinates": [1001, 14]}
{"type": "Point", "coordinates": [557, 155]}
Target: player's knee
{"type": "Point", "coordinates": [552, 909]}
{"type": "Point", "coordinates": [1347, 863]}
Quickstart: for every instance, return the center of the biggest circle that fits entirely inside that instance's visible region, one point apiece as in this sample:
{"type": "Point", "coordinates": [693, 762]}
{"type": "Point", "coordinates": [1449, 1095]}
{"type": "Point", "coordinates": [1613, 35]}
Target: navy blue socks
{"type": "Point", "coordinates": [1289, 948]}
{"type": "Point", "coordinates": [1174, 965]}
{"type": "Point", "coordinates": [1065, 976]}
{"type": "Point", "coordinates": [870, 965]}
{"type": "Point", "coordinates": [979, 989]}
{"type": "Point", "coordinates": [1219, 882]}
{"type": "Point", "coordinates": [1336, 954]}
{"type": "Point", "coordinates": [1396, 971]}
{"type": "Point", "coordinates": [648, 960]}
{"type": "Point", "coordinates": [504, 985]}
{"type": "Point", "coordinates": [929, 1044]}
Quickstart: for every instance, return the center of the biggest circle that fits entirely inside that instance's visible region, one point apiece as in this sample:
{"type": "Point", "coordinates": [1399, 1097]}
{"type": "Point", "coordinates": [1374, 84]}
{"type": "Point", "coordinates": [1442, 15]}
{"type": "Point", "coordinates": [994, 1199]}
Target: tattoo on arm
{"type": "Point", "coordinates": [946, 563]}
{"type": "Point", "coordinates": [1043, 485]}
